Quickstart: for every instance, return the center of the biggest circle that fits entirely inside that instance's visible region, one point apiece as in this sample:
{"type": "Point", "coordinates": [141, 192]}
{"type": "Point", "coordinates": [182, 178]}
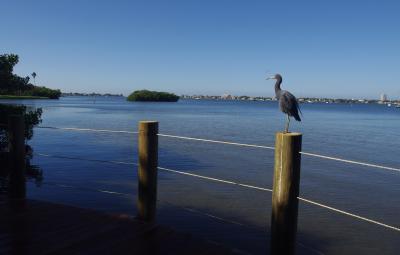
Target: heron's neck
{"type": "Point", "coordinates": [278, 86]}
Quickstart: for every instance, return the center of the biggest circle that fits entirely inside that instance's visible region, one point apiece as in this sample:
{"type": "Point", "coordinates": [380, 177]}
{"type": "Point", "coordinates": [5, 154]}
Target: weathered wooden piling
{"type": "Point", "coordinates": [16, 132]}
{"type": "Point", "coordinates": [148, 162]}
{"type": "Point", "coordinates": [285, 193]}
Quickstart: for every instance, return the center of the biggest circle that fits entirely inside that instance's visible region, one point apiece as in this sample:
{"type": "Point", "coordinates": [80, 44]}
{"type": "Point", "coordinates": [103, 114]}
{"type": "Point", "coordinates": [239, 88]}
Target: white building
{"type": "Point", "coordinates": [226, 96]}
{"type": "Point", "coordinates": [383, 98]}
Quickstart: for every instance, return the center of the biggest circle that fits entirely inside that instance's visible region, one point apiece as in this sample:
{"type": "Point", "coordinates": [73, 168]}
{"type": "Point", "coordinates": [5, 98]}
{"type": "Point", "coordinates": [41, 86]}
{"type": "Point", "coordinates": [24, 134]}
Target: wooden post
{"type": "Point", "coordinates": [285, 193]}
{"type": "Point", "coordinates": [148, 162]}
{"type": "Point", "coordinates": [16, 132]}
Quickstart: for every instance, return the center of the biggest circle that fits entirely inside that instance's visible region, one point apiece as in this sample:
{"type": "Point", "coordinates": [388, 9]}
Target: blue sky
{"type": "Point", "coordinates": [322, 48]}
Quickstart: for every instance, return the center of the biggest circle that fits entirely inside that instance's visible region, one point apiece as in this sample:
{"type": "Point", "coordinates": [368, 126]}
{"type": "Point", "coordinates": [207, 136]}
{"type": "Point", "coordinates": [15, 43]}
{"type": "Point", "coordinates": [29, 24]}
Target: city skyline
{"type": "Point", "coordinates": [338, 49]}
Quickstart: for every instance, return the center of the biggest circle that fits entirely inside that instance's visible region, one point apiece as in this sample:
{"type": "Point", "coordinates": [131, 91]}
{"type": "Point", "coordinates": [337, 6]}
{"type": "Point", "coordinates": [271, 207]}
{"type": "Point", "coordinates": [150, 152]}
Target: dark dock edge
{"type": "Point", "coordinates": [35, 227]}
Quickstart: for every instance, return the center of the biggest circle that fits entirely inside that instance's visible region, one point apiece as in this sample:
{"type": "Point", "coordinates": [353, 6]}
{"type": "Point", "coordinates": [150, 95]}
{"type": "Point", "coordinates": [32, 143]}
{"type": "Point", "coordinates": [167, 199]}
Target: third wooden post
{"type": "Point", "coordinates": [285, 193]}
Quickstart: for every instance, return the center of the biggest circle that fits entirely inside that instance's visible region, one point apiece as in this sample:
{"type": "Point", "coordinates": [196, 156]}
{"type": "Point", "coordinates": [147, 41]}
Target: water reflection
{"type": "Point", "coordinates": [32, 172]}
{"type": "Point", "coordinates": [32, 117]}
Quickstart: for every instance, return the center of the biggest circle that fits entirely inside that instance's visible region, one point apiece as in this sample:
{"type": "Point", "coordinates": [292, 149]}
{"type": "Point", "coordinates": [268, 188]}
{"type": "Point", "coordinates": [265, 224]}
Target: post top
{"type": "Point", "coordinates": [289, 133]}
{"type": "Point", "coordinates": [148, 127]}
{"type": "Point", "coordinates": [148, 121]}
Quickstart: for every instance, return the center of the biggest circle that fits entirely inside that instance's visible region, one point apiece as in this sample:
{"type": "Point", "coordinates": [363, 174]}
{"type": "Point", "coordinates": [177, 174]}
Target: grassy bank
{"type": "Point", "coordinates": [21, 97]}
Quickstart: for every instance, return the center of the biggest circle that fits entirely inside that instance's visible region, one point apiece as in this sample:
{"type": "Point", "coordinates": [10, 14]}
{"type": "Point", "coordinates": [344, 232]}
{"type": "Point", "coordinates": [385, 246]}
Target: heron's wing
{"type": "Point", "coordinates": [288, 104]}
{"type": "Point", "coordinates": [285, 101]}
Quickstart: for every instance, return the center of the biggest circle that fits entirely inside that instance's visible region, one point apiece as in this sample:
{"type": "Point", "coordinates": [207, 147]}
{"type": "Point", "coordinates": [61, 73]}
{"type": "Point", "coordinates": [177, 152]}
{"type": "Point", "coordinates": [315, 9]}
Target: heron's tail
{"type": "Point", "coordinates": [296, 115]}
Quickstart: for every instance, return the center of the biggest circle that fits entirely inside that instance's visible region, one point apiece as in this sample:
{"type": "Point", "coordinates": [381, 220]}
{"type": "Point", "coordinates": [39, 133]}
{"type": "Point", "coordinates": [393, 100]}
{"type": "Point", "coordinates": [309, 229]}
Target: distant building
{"type": "Point", "coordinates": [226, 96]}
{"type": "Point", "coordinates": [383, 98]}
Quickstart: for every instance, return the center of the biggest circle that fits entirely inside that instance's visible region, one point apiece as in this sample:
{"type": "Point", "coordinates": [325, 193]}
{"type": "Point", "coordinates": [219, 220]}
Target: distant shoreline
{"type": "Point", "coordinates": [21, 97]}
{"type": "Point", "coordinates": [91, 95]}
{"type": "Point", "coordinates": [394, 103]}
{"type": "Point", "coordinates": [301, 99]}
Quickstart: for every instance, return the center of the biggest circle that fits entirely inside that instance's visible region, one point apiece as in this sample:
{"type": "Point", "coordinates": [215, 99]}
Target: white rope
{"type": "Point", "coordinates": [161, 168]}
{"type": "Point", "coordinates": [272, 148]}
{"type": "Point", "coordinates": [216, 141]}
{"type": "Point", "coordinates": [94, 190]}
{"type": "Point", "coordinates": [350, 161]}
{"type": "Point", "coordinates": [349, 214]}
{"type": "Point", "coordinates": [93, 160]}
{"type": "Point", "coordinates": [236, 144]}
{"type": "Point", "coordinates": [89, 129]}
{"type": "Point", "coordinates": [214, 179]}
{"type": "Point", "coordinates": [192, 210]}
{"type": "Point", "coordinates": [270, 190]}
{"type": "Point", "coordinates": [242, 185]}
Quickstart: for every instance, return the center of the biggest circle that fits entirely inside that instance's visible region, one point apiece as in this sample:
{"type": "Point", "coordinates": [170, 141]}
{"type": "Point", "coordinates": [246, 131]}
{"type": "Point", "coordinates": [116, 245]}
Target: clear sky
{"type": "Point", "coordinates": [322, 48]}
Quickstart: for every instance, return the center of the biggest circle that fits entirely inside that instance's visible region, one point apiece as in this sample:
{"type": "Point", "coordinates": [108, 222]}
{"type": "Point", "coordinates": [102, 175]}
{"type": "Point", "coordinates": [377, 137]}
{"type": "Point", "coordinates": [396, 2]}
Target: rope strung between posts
{"type": "Point", "coordinates": [350, 161]}
{"type": "Point", "coordinates": [216, 141]}
{"type": "Point", "coordinates": [234, 183]}
{"type": "Point", "coordinates": [86, 189]}
{"type": "Point", "coordinates": [214, 179]}
{"type": "Point", "coordinates": [89, 130]}
{"type": "Point", "coordinates": [233, 143]}
{"type": "Point", "coordinates": [84, 159]}
{"type": "Point", "coordinates": [161, 168]}
{"type": "Point", "coordinates": [273, 148]}
{"type": "Point", "coordinates": [348, 214]}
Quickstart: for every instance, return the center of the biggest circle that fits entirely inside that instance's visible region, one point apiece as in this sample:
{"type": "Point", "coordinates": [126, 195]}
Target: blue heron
{"type": "Point", "coordinates": [287, 102]}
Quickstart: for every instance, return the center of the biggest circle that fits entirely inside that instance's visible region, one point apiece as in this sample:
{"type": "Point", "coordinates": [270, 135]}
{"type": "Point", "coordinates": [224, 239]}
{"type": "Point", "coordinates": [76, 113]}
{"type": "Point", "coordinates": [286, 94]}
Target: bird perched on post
{"type": "Point", "coordinates": [287, 102]}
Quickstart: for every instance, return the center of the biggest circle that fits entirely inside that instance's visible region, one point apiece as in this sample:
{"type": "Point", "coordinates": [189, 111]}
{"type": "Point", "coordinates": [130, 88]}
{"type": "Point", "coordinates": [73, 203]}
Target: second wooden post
{"type": "Point", "coordinates": [147, 172]}
{"type": "Point", "coordinates": [285, 193]}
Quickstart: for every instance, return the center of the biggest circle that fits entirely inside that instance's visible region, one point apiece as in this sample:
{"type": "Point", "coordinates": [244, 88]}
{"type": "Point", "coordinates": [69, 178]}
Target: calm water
{"type": "Point", "coordinates": [236, 216]}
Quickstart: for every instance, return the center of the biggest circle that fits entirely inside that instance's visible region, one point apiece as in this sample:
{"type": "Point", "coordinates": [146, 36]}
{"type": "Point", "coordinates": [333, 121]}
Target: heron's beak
{"type": "Point", "coordinates": [270, 78]}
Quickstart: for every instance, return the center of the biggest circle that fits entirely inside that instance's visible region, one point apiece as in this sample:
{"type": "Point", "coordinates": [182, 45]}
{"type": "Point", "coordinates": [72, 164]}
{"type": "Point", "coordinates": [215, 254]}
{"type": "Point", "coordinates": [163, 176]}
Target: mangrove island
{"type": "Point", "coordinates": [152, 96]}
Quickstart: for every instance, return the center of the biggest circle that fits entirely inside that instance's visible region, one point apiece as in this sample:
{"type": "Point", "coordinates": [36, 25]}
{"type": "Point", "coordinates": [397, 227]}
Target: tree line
{"type": "Point", "coordinates": [12, 84]}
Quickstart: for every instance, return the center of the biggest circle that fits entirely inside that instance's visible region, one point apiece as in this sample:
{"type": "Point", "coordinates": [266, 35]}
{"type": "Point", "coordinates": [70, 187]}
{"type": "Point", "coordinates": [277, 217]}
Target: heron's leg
{"type": "Point", "coordinates": [287, 124]}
